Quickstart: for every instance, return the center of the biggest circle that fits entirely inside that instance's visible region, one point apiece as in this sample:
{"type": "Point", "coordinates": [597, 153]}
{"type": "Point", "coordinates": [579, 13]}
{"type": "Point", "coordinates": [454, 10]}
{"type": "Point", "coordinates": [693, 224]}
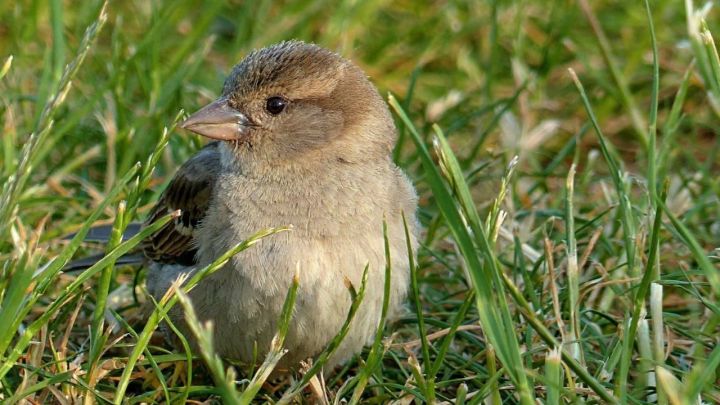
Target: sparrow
{"type": "Point", "coordinates": [302, 138]}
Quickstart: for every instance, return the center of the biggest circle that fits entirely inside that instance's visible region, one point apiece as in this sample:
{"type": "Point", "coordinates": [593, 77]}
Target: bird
{"type": "Point", "coordinates": [302, 138]}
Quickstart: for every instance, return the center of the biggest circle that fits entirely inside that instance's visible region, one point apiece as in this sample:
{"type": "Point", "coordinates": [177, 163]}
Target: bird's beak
{"type": "Point", "coordinates": [218, 120]}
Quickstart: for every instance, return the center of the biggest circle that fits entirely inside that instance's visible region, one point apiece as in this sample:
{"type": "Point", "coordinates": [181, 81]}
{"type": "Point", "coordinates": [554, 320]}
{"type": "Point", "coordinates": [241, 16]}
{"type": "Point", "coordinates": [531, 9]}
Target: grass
{"type": "Point", "coordinates": [565, 154]}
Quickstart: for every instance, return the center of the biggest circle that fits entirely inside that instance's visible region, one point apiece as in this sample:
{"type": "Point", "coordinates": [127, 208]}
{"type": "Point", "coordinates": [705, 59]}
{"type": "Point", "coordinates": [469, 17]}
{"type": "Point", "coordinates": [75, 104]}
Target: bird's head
{"type": "Point", "coordinates": [292, 99]}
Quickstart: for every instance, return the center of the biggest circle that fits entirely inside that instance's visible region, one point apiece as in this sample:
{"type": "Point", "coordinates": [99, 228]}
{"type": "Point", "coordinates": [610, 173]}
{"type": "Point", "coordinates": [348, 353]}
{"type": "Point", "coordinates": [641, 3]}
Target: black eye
{"type": "Point", "coordinates": [275, 105]}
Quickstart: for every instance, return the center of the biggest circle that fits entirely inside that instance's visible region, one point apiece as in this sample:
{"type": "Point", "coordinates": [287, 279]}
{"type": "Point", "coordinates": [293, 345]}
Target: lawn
{"type": "Point", "coordinates": [565, 154]}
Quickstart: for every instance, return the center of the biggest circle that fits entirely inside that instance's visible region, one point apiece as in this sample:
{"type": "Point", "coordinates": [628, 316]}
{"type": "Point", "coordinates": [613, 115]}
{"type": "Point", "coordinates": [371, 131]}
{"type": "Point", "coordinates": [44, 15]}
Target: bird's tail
{"type": "Point", "coordinates": [101, 234]}
{"type": "Point", "coordinates": [88, 261]}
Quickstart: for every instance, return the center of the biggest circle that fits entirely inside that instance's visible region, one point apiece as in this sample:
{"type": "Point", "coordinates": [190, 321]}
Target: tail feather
{"type": "Point", "coordinates": [101, 233]}
{"type": "Point", "coordinates": [88, 261]}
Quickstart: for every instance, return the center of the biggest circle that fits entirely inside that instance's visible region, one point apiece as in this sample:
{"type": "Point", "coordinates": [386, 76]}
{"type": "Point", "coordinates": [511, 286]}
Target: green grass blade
{"type": "Point", "coordinates": [496, 325]}
{"type": "Point", "coordinates": [573, 276]}
{"type": "Point", "coordinates": [16, 184]}
{"type": "Point", "coordinates": [697, 251]}
{"type": "Point", "coordinates": [619, 79]}
{"type": "Point", "coordinates": [73, 288]}
{"type": "Point", "coordinates": [45, 276]}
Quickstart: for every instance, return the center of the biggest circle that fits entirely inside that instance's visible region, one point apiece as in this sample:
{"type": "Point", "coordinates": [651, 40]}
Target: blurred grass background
{"type": "Point", "coordinates": [494, 77]}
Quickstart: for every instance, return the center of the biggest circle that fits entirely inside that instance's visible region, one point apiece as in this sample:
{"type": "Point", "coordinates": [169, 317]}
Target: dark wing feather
{"type": "Point", "coordinates": [190, 191]}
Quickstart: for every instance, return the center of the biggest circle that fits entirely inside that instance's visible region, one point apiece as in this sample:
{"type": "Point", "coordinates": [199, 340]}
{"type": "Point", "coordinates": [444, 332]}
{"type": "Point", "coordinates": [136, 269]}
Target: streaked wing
{"type": "Point", "coordinates": [190, 191]}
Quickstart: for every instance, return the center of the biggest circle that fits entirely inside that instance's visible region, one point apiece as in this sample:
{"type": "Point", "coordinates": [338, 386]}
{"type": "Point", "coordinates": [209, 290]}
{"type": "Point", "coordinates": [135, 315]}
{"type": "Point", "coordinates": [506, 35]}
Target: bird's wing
{"type": "Point", "coordinates": [190, 191]}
